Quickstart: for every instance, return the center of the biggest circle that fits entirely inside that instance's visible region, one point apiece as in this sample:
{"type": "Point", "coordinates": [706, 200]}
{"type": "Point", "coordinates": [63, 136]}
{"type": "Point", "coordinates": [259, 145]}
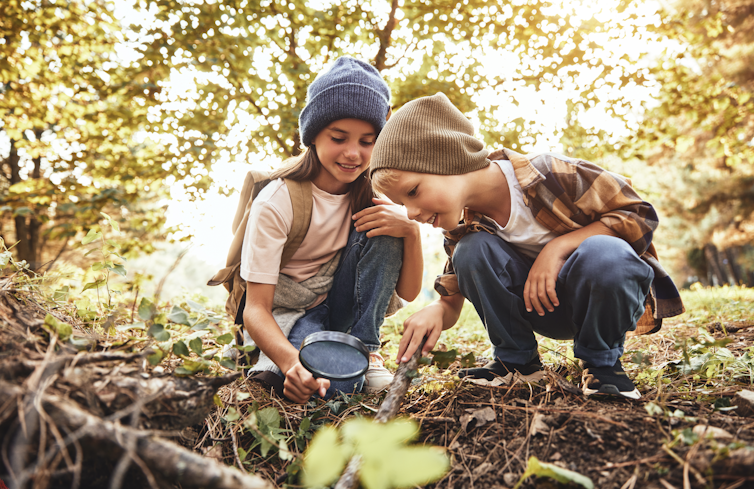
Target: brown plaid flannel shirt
{"type": "Point", "coordinates": [565, 194]}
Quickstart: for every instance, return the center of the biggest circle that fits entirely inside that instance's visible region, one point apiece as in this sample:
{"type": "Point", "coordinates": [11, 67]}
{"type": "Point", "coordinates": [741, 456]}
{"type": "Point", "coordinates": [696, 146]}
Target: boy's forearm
{"type": "Point", "coordinates": [410, 280]}
{"type": "Point", "coordinates": [566, 244]}
{"type": "Point", "coordinates": [451, 309]}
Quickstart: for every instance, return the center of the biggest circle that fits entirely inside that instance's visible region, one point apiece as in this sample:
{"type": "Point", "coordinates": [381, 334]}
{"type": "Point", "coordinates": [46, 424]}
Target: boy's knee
{"type": "Point", "coordinates": [609, 261]}
{"type": "Point", "coordinates": [473, 252]}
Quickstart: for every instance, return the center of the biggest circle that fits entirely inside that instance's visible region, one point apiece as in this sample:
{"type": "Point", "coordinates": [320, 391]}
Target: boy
{"type": "Point", "coordinates": [547, 244]}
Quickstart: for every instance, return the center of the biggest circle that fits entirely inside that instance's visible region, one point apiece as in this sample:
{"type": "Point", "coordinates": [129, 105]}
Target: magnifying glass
{"type": "Point", "coordinates": [334, 355]}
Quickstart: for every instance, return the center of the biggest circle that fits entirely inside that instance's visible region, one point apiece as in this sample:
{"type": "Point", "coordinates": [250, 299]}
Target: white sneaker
{"type": "Point", "coordinates": [377, 376]}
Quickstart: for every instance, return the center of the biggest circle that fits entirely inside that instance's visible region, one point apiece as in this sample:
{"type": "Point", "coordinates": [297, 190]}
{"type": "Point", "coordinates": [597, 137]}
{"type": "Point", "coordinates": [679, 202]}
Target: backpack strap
{"type": "Point", "coordinates": [301, 199]}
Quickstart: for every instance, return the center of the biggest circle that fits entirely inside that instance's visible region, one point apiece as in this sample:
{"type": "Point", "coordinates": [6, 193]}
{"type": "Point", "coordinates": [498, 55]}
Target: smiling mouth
{"type": "Point", "coordinates": [348, 167]}
{"type": "Point", "coordinates": [431, 220]}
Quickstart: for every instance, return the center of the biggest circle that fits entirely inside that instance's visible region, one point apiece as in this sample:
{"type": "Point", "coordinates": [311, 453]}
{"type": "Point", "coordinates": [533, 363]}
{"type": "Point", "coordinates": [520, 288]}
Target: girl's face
{"type": "Point", "coordinates": [344, 148]}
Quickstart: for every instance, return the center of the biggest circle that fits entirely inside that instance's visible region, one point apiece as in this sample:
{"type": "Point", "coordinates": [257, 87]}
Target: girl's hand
{"type": "Point", "coordinates": [385, 219]}
{"type": "Point", "coordinates": [300, 384]}
{"type": "Point", "coordinates": [539, 290]}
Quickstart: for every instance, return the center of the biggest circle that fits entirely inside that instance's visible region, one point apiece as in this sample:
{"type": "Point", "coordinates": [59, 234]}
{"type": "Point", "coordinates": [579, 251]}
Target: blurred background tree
{"type": "Point", "coordinates": [108, 111]}
{"type": "Point", "coordinates": [695, 140]}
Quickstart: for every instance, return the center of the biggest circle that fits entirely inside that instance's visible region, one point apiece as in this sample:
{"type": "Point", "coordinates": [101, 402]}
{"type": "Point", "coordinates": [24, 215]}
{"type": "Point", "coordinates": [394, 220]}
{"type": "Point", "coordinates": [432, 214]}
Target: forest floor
{"type": "Point", "coordinates": [95, 405]}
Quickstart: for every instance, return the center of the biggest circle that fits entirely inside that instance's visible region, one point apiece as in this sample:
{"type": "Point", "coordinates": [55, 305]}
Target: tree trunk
{"type": "Point", "coordinates": [714, 266]}
{"type": "Point", "coordinates": [27, 228]}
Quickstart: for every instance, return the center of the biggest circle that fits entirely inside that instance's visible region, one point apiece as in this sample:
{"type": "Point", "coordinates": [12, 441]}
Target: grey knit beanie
{"type": "Point", "coordinates": [429, 135]}
{"type": "Point", "coordinates": [349, 89]}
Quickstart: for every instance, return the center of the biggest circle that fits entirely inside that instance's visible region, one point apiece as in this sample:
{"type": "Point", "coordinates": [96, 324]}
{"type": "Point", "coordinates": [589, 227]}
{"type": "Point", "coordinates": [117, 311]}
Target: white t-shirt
{"type": "Point", "coordinates": [524, 232]}
{"type": "Point", "coordinates": [270, 222]}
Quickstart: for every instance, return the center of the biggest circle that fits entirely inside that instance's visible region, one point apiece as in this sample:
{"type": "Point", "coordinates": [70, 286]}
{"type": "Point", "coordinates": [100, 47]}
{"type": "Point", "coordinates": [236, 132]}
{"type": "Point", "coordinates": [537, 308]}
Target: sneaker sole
{"type": "Point", "coordinates": [611, 390]}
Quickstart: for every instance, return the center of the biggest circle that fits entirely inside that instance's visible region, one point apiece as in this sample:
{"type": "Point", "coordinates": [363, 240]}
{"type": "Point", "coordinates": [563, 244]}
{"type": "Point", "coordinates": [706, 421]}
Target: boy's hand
{"type": "Point", "coordinates": [539, 290]}
{"type": "Point", "coordinates": [385, 219]}
{"type": "Point", "coordinates": [427, 322]}
{"type": "Point", "coordinates": [300, 384]}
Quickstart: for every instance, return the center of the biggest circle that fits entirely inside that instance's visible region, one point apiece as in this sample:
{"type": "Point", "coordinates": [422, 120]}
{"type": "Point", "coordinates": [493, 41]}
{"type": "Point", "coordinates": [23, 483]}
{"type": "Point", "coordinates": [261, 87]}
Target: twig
{"type": "Point", "coordinates": [647, 460]}
{"type": "Point", "coordinates": [164, 277]}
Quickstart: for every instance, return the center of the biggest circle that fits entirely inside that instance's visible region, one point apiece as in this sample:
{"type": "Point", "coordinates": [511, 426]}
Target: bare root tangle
{"type": "Point", "coordinates": [172, 461]}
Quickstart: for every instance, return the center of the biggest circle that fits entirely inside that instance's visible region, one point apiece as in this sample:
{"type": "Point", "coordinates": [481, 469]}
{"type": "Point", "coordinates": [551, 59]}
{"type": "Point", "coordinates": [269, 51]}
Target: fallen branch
{"type": "Point", "coordinates": [388, 409]}
{"type": "Point", "coordinates": [163, 457]}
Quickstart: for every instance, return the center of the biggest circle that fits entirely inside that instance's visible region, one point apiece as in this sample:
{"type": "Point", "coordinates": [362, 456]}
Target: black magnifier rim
{"type": "Point", "coordinates": [335, 337]}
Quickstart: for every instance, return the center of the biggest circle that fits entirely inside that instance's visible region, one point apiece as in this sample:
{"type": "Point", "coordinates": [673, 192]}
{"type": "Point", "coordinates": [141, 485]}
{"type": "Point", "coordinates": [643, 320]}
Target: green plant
{"type": "Point", "coordinates": [387, 461]}
{"type": "Point", "coordinates": [111, 259]}
{"type": "Point", "coordinates": [541, 469]}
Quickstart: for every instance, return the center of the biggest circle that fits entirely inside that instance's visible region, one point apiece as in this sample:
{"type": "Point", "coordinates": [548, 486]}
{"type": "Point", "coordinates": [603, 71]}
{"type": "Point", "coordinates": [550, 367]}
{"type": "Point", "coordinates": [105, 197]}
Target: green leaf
{"type": "Point", "coordinates": [91, 236]}
{"type": "Point", "coordinates": [468, 361]}
{"type": "Point", "coordinates": [269, 417]}
{"type": "Point", "coordinates": [52, 325]}
{"type": "Point", "coordinates": [94, 285]}
{"type": "Point", "coordinates": [112, 223]}
{"type": "Point", "coordinates": [5, 257]}
{"type": "Point", "coordinates": [324, 459]}
{"type": "Point", "coordinates": [119, 269]}
{"type": "Point", "coordinates": [61, 295]}
{"type": "Point", "coordinates": [224, 339]}
{"type": "Point", "coordinates": [196, 346]}
{"type": "Point", "coordinates": [443, 359]}
{"type": "Point", "coordinates": [127, 327]}
{"type": "Point", "coordinates": [242, 396]}
{"type": "Point", "coordinates": [195, 306]}
{"type": "Point", "coordinates": [147, 310]}
{"type": "Point", "coordinates": [158, 332]}
{"type": "Point", "coordinates": [242, 454]}
{"type": "Point", "coordinates": [156, 357]}
{"type": "Point", "coordinates": [96, 267]}
{"type": "Point", "coordinates": [200, 325]}
{"type": "Point", "coordinates": [179, 315]}
{"type": "Point", "coordinates": [180, 349]}
{"type": "Point", "coordinates": [232, 415]}
{"type": "Point", "coordinates": [228, 363]}
{"type": "Point", "coordinates": [541, 469]}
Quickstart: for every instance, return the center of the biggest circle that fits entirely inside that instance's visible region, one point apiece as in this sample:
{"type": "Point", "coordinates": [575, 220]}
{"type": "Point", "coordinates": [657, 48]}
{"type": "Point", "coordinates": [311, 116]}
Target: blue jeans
{"type": "Point", "coordinates": [601, 290]}
{"type": "Point", "coordinates": [359, 297]}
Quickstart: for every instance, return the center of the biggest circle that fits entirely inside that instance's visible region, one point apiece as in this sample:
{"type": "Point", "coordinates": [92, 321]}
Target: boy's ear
{"type": "Point", "coordinates": [389, 113]}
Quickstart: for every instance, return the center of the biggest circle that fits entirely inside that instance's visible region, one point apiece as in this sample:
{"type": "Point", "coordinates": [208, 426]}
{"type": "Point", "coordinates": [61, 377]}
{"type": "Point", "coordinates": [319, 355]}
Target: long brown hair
{"type": "Point", "coordinates": [306, 167]}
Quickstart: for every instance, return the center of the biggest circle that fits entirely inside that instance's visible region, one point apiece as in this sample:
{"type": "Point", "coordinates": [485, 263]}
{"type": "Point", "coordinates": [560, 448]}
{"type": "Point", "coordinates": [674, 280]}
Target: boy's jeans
{"type": "Point", "coordinates": [601, 289]}
{"type": "Point", "coordinates": [356, 304]}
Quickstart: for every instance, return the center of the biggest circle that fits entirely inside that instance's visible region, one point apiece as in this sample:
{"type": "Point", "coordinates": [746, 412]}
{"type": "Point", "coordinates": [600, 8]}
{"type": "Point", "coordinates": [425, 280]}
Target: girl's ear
{"type": "Point", "coordinates": [389, 113]}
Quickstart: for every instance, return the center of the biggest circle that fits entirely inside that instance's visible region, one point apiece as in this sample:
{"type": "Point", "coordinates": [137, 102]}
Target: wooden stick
{"type": "Point", "coordinates": [388, 409]}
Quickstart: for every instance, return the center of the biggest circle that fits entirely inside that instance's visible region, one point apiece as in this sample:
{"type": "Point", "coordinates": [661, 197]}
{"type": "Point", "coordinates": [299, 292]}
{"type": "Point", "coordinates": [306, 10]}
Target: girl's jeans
{"type": "Point", "coordinates": [360, 294]}
{"type": "Point", "coordinates": [601, 289]}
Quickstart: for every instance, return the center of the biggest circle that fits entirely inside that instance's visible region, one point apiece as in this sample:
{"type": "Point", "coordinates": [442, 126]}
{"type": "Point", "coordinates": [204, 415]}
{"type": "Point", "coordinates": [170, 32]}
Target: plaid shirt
{"type": "Point", "coordinates": [566, 194]}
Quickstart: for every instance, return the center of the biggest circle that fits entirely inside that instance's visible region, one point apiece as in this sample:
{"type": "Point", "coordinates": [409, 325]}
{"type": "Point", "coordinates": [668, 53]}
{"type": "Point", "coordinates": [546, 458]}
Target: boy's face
{"type": "Point", "coordinates": [428, 198]}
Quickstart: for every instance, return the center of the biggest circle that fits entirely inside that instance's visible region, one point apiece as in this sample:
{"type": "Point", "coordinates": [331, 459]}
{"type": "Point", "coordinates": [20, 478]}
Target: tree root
{"type": "Point", "coordinates": [171, 461]}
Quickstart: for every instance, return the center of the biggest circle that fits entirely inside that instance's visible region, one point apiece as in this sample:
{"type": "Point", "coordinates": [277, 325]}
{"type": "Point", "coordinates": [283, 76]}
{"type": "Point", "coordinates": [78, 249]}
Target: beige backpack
{"type": "Point", "coordinates": [255, 181]}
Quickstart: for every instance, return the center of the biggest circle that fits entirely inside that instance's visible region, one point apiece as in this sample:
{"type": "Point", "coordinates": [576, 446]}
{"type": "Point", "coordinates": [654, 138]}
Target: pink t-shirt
{"type": "Point", "coordinates": [270, 222]}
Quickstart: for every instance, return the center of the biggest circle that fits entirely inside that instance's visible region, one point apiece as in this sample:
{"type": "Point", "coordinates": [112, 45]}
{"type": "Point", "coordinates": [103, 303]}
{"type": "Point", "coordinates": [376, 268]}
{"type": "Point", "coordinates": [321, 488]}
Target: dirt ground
{"type": "Point", "coordinates": [490, 432]}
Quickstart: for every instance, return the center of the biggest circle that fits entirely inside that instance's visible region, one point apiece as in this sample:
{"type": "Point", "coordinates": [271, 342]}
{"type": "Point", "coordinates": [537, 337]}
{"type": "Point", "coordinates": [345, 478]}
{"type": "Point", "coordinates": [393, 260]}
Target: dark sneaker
{"type": "Point", "coordinates": [528, 372]}
{"type": "Point", "coordinates": [609, 381]}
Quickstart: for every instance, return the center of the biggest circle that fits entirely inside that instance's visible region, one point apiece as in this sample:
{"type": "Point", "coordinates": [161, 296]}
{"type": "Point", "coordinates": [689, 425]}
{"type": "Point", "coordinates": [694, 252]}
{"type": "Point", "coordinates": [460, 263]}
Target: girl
{"type": "Point", "coordinates": [354, 255]}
